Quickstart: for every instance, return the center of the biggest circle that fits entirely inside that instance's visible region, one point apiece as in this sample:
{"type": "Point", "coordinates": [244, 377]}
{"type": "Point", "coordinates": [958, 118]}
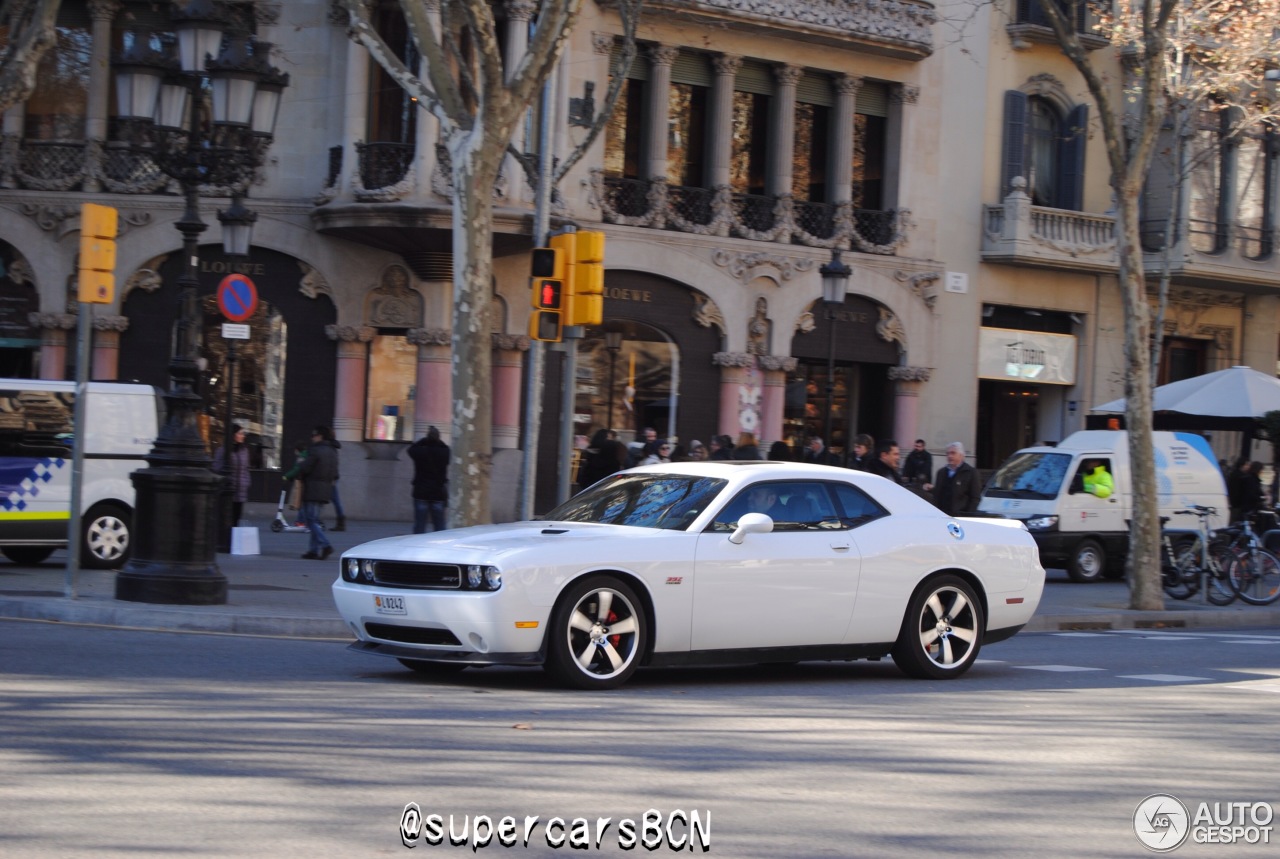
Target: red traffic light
{"type": "Point", "coordinates": [549, 294]}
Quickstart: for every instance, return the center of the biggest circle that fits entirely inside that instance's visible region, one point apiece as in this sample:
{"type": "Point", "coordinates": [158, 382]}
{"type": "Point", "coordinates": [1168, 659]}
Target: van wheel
{"type": "Point", "coordinates": [27, 556]}
{"type": "Point", "coordinates": [1088, 562]}
{"type": "Point", "coordinates": [105, 536]}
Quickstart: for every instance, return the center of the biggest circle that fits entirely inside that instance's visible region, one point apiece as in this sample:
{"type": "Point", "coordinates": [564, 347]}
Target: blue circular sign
{"type": "Point", "coordinates": [237, 297]}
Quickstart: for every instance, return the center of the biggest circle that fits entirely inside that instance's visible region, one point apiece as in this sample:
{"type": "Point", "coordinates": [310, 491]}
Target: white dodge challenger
{"type": "Point", "coordinates": [699, 563]}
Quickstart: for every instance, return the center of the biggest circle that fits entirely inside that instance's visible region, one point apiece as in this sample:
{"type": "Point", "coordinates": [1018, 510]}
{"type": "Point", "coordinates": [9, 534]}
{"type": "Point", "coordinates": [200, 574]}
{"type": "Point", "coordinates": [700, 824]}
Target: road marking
{"type": "Point", "coordinates": [1162, 678]}
{"type": "Point", "coordinates": [1248, 641]}
{"type": "Point", "coordinates": [1059, 668]}
{"type": "Point", "coordinates": [1080, 634]}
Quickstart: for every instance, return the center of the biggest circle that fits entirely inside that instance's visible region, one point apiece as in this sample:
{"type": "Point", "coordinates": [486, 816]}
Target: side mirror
{"type": "Point", "coordinates": [751, 523]}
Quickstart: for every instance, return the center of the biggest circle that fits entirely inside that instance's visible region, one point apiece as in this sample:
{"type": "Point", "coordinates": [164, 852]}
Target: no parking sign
{"type": "Point", "coordinates": [237, 297]}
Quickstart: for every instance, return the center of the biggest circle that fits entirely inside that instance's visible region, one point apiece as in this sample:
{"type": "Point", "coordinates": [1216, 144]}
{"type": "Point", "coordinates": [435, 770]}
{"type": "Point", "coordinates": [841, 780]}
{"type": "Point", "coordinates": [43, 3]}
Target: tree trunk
{"type": "Point", "coordinates": [1143, 566]}
{"type": "Point", "coordinates": [475, 170]}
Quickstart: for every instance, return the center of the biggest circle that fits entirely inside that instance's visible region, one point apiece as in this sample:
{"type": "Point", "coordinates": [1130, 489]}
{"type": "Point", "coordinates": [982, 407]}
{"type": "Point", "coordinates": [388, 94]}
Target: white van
{"type": "Point", "coordinates": [1043, 487]}
{"type": "Point", "coordinates": [37, 418]}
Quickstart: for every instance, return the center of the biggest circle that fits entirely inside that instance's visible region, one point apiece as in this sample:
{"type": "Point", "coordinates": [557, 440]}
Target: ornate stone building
{"type": "Point", "coordinates": [750, 141]}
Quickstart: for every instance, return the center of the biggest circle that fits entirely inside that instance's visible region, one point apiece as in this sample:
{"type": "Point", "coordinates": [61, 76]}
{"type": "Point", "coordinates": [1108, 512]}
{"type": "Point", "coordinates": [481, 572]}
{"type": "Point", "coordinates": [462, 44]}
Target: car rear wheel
{"type": "Point", "coordinates": [437, 669]}
{"type": "Point", "coordinates": [106, 533]}
{"type": "Point", "coordinates": [27, 556]}
{"type": "Point", "coordinates": [942, 631]}
{"type": "Point", "coordinates": [1088, 562]}
{"type": "Point", "coordinates": [598, 634]}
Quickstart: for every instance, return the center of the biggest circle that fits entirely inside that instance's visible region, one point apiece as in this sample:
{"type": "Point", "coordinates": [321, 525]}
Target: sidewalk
{"type": "Point", "coordinates": [279, 593]}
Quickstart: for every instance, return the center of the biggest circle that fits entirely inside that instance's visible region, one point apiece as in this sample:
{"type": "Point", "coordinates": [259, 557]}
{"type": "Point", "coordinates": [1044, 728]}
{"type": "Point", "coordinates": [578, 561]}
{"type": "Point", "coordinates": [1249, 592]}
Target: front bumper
{"type": "Point", "coordinates": [478, 628]}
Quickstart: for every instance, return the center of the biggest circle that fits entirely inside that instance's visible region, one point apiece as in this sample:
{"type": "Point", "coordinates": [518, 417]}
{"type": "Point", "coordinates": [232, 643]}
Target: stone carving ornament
{"type": "Point", "coordinates": [707, 313]}
{"type": "Point", "coordinates": [393, 304]}
{"type": "Point", "coordinates": [909, 374]}
{"type": "Point", "coordinates": [739, 264]}
{"type": "Point", "coordinates": [429, 336]}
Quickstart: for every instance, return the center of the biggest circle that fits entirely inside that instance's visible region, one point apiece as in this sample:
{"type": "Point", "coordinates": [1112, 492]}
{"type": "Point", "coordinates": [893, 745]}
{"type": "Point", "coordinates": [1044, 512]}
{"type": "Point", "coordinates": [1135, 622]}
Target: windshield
{"type": "Point", "coordinates": [1030, 475]}
{"type": "Point", "coordinates": [670, 501]}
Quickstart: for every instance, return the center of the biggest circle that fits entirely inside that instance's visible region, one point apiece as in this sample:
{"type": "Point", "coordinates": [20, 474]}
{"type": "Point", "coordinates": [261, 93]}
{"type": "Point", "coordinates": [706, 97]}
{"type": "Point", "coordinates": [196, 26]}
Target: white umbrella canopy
{"type": "Point", "coordinates": [1235, 394]}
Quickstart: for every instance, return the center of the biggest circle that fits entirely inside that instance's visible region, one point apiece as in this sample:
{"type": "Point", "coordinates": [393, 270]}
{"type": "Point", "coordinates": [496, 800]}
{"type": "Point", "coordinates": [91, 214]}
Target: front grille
{"type": "Point", "coordinates": [398, 574]}
{"type": "Point", "coordinates": [411, 634]}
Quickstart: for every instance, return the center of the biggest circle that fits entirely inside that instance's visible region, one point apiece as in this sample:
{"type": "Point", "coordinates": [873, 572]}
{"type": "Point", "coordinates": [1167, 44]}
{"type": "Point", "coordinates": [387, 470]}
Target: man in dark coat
{"type": "Point", "coordinates": [919, 465]}
{"type": "Point", "coordinates": [885, 463]}
{"type": "Point", "coordinates": [956, 488]}
{"type": "Point", "coordinates": [318, 472]}
{"type": "Point", "coordinates": [816, 452]}
{"type": "Point", "coordinates": [430, 458]}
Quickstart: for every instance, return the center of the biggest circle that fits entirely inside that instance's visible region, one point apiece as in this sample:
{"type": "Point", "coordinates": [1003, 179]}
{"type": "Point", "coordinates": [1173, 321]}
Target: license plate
{"type": "Point", "coordinates": [388, 605]}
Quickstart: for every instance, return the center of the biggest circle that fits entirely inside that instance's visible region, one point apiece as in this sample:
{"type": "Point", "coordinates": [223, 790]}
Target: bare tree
{"type": "Point", "coordinates": [1184, 51]}
{"type": "Point", "coordinates": [479, 104]}
{"type": "Point", "coordinates": [26, 32]}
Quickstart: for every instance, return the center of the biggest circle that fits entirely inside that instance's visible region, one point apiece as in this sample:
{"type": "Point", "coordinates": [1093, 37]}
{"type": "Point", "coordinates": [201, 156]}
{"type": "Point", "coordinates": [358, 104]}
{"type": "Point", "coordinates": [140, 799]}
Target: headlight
{"type": "Point", "coordinates": [358, 570]}
{"type": "Point", "coordinates": [483, 578]}
{"type": "Point", "coordinates": [1042, 523]}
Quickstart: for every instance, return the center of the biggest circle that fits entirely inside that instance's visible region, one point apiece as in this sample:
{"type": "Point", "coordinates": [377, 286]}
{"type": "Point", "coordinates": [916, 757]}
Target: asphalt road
{"type": "Point", "coordinates": [128, 743]}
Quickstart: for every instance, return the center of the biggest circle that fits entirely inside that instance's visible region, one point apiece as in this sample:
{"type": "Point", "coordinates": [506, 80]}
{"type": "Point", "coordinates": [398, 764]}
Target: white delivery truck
{"type": "Point", "coordinates": [37, 419]}
{"type": "Point", "coordinates": [1089, 535]}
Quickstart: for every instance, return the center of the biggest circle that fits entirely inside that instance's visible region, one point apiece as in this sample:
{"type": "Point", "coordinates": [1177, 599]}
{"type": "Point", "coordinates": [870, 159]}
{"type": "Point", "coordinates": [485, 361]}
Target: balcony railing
{"type": "Point", "coordinates": [720, 212]}
{"type": "Point", "coordinates": [384, 168]}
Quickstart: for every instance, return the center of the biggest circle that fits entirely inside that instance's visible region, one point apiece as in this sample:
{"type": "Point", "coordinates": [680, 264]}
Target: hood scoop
{"type": "Point", "coordinates": [555, 530]}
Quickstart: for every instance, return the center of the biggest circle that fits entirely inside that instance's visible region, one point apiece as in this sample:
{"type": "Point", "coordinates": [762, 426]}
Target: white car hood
{"type": "Point", "coordinates": [492, 543]}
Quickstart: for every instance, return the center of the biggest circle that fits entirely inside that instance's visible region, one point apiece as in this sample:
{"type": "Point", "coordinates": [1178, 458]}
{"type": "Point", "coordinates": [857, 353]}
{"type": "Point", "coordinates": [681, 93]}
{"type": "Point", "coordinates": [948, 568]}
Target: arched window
{"type": "Point", "coordinates": [1045, 145]}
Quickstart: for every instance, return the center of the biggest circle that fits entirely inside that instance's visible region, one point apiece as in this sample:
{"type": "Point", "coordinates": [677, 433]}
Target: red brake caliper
{"type": "Point", "coordinates": [613, 639]}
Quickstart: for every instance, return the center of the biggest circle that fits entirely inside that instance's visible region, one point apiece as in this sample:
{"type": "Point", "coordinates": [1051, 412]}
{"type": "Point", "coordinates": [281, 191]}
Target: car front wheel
{"type": "Point", "coordinates": [598, 634]}
{"type": "Point", "coordinates": [942, 632]}
{"type": "Point", "coordinates": [1088, 562]}
{"type": "Point", "coordinates": [106, 531]}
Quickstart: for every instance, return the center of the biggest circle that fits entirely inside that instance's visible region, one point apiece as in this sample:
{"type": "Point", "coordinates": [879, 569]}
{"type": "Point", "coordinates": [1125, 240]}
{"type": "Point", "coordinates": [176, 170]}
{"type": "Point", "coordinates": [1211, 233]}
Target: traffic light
{"type": "Point", "coordinates": [586, 302]}
{"type": "Point", "coordinates": [548, 296]}
{"type": "Point", "coordinates": [97, 281]}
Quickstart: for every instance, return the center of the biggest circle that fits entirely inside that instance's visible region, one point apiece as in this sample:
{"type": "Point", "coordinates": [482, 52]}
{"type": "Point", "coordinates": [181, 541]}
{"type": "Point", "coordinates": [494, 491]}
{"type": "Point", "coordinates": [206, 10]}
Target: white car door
{"type": "Point", "coordinates": [793, 586]}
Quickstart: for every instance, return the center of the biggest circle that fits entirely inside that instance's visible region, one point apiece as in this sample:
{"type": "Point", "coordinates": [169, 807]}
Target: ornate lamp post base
{"type": "Point", "coordinates": [173, 557]}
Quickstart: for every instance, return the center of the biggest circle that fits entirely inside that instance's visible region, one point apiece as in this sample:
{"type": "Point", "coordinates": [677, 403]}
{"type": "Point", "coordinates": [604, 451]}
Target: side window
{"type": "Point", "coordinates": [1089, 474]}
{"type": "Point", "coordinates": [36, 423]}
{"type": "Point", "coordinates": [856, 507]}
{"type": "Point", "coordinates": [793, 506]}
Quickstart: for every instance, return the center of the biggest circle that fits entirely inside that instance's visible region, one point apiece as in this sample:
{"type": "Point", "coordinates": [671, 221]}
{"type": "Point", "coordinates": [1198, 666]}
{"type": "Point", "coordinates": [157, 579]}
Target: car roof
{"type": "Point", "coordinates": [739, 473]}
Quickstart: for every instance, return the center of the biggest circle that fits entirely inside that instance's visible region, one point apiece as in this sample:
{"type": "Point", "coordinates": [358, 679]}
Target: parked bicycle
{"type": "Point", "coordinates": [1254, 573]}
{"type": "Point", "coordinates": [1194, 558]}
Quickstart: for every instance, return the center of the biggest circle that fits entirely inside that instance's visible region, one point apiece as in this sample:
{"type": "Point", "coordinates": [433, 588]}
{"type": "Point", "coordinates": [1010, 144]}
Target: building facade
{"type": "Point", "coordinates": [962, 182]}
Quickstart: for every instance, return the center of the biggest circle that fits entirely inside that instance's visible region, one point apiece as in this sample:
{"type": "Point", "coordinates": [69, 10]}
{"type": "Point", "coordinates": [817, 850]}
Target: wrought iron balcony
{"type": "Point", "coordinates": [720, 212]}
{"type": "Point", "coordinates": [384, 170]}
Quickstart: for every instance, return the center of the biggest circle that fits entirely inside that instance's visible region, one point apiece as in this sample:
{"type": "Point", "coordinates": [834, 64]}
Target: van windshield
{"type": "Point", "coordinates": [1030, 475]}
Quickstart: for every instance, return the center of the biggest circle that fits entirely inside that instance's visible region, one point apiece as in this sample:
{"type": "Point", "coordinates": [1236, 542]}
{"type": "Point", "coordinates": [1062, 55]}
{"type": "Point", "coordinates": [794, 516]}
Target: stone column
{"type": "Point", "coordinates": [507, 363]}
{"type": "Point", "coordinates": [842, 138]}
{"type": "Point", "coordinates": [355, 117]}
{"type": "Point", "coordinates": [897, 135]}
{"type": "Point", "coordinates": [658, 126]}
{"type": "Point", "coordinates": [353, 369]}
{"type": "Point", "coordinates": [434, 381]}
{"type": "Point", "coordinates": [782, 129]}
{"type": "Point", "coordinates": [95, 130]}
{"type": "Point", "coordinates": [908, 382]}
{"type": "Point", "coordinates": [1259, 332]}
{"type": "Point", "coordinates": [53, 342]}
{"type": "Point", "coordinates": [519, 14]}
{"type": "Point", "coordinates": [106, 346]}
{"type": "Point", "coordinates": [720, 146]}
{"type": "Point", "coordinates": [773, 399]}
{"type": "Point", "coordinates": [733, 377]}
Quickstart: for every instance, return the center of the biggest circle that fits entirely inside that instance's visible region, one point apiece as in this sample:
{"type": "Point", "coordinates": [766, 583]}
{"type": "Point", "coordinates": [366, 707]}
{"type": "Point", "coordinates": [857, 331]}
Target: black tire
{"type": "Point", "coordinates": [598, 634]}
{"type": "Point", "coordinates": [27, 556]}
{"type": "Point", "coordinates": [1218, 589]}
{"type": "Point", "coordinates": [1255, 577]}
{"type": "Point", "coordinates": [437, 669]}
{"type": "Point", "coordinates": [276, 526]}
{"type": "Point", "coordinates": [106, 535]}
{"type": "Point", "coordinates": [1088, 561]}
{"type": "Point", "coordinates": [942, 631]}
{"type": "Point", "coordinates": [1181, 578]}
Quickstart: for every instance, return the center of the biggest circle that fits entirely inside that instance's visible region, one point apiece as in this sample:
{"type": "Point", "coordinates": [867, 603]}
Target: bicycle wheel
{"type": "Point", "coordinates": [1255, 577]}
{"type": "Point", "coordinates": [1217, 587]}
{"type": "Point", "coordinates": [1181, 576]}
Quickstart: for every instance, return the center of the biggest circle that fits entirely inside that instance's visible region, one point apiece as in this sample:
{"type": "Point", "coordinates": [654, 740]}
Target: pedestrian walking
{"type": "Point", "coordinates": [604, 456]}
{"type": "Point", "coordinates": [746, 448]}
{"type": "Point", "coordinates": [318, 472]}
{"type": "Point", "coordinates": [918, 467]}
{"type": "Point", "coordinates": [430, 457]}
{"type": "Point", "coordinates": [956, 488]}
{"type": "Point", "coordinates": [886, 462]}
{"type": "Point", "coordinates": [816, 452]}
{"type": "Point", "coordinates": [859, 459]}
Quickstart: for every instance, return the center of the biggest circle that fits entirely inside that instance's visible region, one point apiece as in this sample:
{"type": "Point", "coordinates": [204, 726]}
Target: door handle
{"type": "Point", "coordinates": [841, 547]}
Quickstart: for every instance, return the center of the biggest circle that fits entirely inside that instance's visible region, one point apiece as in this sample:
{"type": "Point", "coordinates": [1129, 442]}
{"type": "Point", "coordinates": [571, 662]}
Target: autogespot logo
{"type": "Point", "coordinates": [1161, 822]}
{"type": "Point", "coordinates": [410, 825]}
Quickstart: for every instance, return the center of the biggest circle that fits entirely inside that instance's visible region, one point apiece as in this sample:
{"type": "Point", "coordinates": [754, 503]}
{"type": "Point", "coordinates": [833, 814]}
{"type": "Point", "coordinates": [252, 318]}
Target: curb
{"type": "Point", "coordinates": [1168, 619]}
{"type": "Point", "coordinates": [131, 616]}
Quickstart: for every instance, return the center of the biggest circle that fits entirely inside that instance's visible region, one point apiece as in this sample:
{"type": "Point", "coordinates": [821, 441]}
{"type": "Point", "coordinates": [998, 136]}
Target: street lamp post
{"type": "Point", "coordinates": [612, 342]}
{"type": "Point", "coordinates": [160, 100]}
{"type": "Point", "coordinates": [835, 280]}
